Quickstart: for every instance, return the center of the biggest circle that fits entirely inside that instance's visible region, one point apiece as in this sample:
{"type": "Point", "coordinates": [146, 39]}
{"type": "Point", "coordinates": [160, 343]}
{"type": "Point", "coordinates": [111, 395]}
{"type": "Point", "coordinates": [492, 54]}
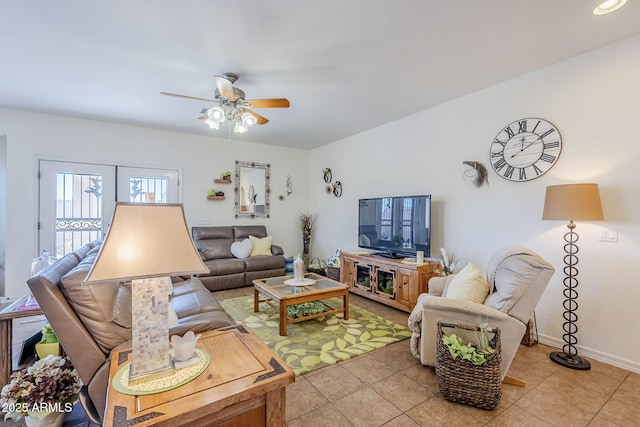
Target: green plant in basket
{"type": "Point", "coordinates": [305, 309]}
{"type": "Point", "coordinates": [476, 354]}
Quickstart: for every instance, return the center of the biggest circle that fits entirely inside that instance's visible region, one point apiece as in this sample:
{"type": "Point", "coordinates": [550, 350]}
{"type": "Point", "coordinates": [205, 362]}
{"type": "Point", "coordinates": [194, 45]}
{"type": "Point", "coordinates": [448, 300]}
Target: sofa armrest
{"type": "Point", "coordinates": [477, 311]}
{"type": "Point", "coordinates": [438, 283]}
{"type": "Point", "coordinates": [276, 250]}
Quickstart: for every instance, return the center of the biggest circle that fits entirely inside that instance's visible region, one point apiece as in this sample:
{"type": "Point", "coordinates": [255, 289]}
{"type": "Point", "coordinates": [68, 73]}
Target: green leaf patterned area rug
{"type": "Point", "coordinates": [318, 342]}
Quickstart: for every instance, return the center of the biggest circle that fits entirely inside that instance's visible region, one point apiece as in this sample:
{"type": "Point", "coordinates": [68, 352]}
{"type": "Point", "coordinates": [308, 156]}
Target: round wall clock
{"type": "Point", "coordinates": [525, 149]}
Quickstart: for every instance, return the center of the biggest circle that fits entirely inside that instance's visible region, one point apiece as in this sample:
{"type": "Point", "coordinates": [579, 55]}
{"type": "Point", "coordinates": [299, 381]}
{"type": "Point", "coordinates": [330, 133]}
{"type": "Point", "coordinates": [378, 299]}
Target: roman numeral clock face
{"type": "Point", "coordinates": [525, 149]}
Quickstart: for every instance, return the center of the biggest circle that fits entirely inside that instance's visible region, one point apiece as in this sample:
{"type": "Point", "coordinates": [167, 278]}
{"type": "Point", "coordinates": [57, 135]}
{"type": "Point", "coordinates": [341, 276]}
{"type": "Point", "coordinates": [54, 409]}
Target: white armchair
{"type": "Point", "coordinates": [517, 277]}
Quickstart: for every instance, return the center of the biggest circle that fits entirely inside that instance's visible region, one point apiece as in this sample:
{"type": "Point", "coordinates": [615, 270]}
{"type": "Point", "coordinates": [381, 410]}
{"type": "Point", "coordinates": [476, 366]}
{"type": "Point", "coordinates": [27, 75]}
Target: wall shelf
{"type": "Point", "coordinates": [222, 181]}
{"type": "Point", "coordinates": [215, 197]}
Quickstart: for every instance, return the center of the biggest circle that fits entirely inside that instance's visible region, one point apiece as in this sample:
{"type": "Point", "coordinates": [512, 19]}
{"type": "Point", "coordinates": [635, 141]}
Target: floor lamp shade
{"type": "Point", "coordinates": [147, 244]}
{"type": "Point", "coordinates": [571, 202]}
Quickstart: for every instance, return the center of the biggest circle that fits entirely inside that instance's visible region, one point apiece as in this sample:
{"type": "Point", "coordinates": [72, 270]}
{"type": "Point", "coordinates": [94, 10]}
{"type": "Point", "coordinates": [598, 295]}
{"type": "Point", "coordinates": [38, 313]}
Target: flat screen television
{"type": "Point", "coordinates": [395, 227]}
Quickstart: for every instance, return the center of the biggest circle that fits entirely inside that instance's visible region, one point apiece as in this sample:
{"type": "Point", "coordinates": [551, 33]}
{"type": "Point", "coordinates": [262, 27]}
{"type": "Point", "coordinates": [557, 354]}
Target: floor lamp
{"type": "Point", "coordinates": [580, 202]}
{"type": "Point", "coordinates": [147, 243]}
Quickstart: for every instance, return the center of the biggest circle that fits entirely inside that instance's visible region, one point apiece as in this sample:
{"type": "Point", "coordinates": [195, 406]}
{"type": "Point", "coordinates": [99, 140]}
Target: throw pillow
{"type": "Point", "coordinates": [468, 285]}
{"type": "Point", "coordinates": [261, 246]}
{"type": "Point", "coordinates": [242, 249]}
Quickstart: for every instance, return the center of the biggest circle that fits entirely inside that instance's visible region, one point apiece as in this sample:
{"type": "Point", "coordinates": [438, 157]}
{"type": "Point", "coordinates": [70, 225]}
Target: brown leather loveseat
{"type": "Point", "coordinates": [93, 320]}
{"type": "Point", "coordinates": [228, 271]}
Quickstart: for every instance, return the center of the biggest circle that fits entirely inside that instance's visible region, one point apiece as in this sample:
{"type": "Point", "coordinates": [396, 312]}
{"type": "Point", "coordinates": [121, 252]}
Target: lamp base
{"type": "Point", "coordinates": [136, 378]}
{"type": "Point", "coordinates": [573, 362]}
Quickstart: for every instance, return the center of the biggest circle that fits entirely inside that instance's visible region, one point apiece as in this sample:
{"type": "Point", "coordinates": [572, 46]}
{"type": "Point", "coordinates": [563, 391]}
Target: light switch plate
{"type": "Point", "coordinates": [608, 235]}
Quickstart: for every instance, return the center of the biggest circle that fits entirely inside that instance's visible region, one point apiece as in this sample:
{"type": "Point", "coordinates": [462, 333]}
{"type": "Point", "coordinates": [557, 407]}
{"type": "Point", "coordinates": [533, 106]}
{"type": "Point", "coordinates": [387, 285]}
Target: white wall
{"type": "Point", "coordinates": [30, 136]}
{"type": "Point", "coordinates": [593, 100]}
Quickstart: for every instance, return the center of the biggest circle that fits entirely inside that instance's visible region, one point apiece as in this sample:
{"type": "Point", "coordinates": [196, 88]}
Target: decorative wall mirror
{"type": "Point", "coordinates": [252, 190]}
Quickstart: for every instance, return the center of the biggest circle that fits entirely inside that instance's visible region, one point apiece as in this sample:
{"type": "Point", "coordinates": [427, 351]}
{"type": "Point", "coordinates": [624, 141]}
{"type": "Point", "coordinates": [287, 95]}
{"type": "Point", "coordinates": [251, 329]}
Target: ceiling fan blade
{"type": "Point", "coordinates": [269, 103]}
{"type": "Point", "coordinates": [225, 87]}
{"type": "Point", "coordinates": [203, 117]}
{"type": "Point", "coordinates": [260, 119]}
{"type": "Point", "coordinates": [187, 97]}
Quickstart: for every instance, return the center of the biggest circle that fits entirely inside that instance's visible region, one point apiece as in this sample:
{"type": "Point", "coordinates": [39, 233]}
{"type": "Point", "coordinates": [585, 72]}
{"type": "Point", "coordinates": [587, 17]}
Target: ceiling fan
{"type": "Point", "coordinates": [232, 106]}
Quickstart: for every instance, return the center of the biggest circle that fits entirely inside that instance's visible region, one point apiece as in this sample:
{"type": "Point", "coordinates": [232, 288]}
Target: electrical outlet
{"type": "Point", "coordinates": [608, 235]}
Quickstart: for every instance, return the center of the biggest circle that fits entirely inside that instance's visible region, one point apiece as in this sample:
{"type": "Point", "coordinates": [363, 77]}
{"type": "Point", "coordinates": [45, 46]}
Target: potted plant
{"type": "Point", "coordinates": [49, 343]}
{"type": "Point", "coordinates": [226, 176]}
{"type": "Point", "coordinates": [448, 262]}
{"type": "Point", "coordinates": [41, 393]}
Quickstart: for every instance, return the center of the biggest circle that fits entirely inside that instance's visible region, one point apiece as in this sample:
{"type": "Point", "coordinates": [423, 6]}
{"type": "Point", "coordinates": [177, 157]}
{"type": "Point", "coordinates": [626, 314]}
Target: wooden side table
{"type": "Point", "coordinates": [15, 310]}
{"type": "Point", "coordinates": [244, 385]}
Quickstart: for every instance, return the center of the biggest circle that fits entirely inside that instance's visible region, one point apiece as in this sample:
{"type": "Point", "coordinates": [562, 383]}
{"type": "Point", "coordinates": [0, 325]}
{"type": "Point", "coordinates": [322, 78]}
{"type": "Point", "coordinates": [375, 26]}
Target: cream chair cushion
{"type": "Point", "coordinates": [468, 285]}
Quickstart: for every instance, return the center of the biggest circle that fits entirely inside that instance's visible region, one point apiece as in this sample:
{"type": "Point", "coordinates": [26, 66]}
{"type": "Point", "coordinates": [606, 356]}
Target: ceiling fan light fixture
{"type": "Point", "coordinates": [248, 120]}
{"type": "Point", "coordinates": [217, 114]}
{"type": "Point", "coordinates": [608, 6]}
{"type": "Point", "coordinates": [230, 105]}
{"type": "Point", "coordinates": [240, 127]}
{"type": "Point", "coordinates": [212, 124]}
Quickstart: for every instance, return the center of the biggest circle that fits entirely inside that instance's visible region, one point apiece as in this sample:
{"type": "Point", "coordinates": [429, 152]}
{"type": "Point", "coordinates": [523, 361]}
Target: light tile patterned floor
{"type": "Point", "coordinates": [389, 387]}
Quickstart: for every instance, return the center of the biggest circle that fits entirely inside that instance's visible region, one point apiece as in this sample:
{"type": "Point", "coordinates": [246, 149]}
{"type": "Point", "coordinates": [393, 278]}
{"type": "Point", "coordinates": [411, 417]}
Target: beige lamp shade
{"type": "Point", "coordinates": [573, 202]}
{"type": "Point", "coordinates": [146, 240]}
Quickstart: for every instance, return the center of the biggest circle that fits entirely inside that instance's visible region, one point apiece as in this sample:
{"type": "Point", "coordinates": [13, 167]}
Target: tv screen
{"type": "Point", "coordinates": [395, 226]}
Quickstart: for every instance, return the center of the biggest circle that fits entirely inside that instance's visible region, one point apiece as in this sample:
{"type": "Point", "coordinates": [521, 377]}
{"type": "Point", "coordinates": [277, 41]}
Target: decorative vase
{"type": "Point", "coordinates": [52, 419]}
{"type": "Point", "coordinates": [288, 266]}
{"type": "Point", "coordinates": [43, 349]}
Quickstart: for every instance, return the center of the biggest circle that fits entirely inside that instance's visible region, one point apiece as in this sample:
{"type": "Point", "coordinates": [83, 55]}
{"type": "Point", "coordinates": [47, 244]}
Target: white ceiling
{"type": "Point", "coordinates": [345, 65]}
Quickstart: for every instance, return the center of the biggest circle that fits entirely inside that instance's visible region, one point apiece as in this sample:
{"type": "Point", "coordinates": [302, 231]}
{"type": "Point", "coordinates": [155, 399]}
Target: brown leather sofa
{"type": "Point", "coordinates": [91, 321]}
{"type": "Point", "coordinates": [227, 271]}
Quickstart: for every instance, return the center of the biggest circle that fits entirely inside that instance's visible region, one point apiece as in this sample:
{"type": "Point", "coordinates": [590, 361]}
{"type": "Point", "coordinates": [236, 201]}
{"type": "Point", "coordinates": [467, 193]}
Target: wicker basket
{"type": "Point", "coordinates": [315, 266]}
{"type": "Point", "coordinates": [333, 273]}
{"type": "Point", "coordinates": [463, 382]}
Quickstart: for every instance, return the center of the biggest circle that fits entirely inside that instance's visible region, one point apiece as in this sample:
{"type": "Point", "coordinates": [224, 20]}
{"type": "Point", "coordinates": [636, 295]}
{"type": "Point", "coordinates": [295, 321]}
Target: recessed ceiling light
{"type": "Point", "coordinates": [608, 6]}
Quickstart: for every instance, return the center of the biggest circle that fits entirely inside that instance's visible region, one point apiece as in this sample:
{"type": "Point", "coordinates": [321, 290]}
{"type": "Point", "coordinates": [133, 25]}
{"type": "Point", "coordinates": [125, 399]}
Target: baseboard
{"type": "Point", "coordinates": [594, 354]}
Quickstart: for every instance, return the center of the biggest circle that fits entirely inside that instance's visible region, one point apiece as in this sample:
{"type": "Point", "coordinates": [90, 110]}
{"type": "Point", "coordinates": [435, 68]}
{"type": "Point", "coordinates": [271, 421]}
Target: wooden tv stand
{"type": "Point", "coordinates": [386, 280]}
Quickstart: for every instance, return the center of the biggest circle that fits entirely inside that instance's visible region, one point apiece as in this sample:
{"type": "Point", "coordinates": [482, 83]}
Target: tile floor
{"type": "Point", "coordinates": [389, 387]}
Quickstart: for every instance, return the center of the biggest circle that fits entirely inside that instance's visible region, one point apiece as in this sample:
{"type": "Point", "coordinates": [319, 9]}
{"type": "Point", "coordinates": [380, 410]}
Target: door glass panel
{"type": "Point", "coordinates": [76, 204]}
{"type": "Point", "coordinates": [363, 276]}
{"type": "Point", "coordinates": [146, 185]}
{"type": "Point", "coordinates": [78, 211]}
{"type": "Point", "coordinates": [148, 190]}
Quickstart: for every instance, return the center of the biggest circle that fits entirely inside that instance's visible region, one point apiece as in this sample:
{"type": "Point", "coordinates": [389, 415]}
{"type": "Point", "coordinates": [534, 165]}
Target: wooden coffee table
{"type": "Point", "coordinates": [280, 296]}
{"type": "Point", "coordinates": [244, 385]}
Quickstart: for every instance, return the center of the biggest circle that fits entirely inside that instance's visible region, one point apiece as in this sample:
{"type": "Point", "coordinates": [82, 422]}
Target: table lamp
{"type": "Point", "coordinates": [147, 243]}
{"type": "Point", "coordinates": [580, 202]}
